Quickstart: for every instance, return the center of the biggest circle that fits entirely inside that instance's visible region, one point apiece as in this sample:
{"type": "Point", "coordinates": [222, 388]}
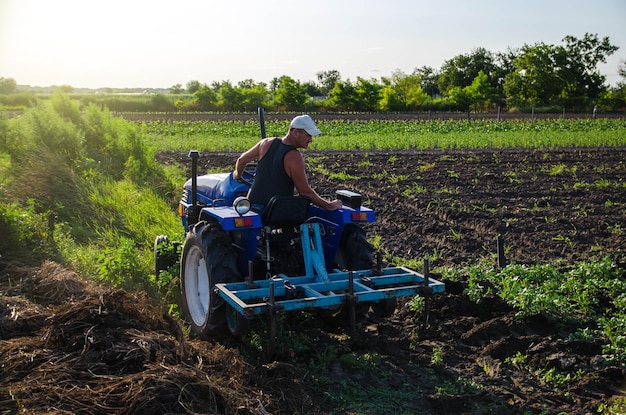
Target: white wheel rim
{"type": "Point", "coordinates": [196, 286]}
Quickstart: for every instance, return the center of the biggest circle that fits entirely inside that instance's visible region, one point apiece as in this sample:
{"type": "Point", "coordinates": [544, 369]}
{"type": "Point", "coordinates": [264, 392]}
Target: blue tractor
{"type": "Point", "coordinates": [237, 265]}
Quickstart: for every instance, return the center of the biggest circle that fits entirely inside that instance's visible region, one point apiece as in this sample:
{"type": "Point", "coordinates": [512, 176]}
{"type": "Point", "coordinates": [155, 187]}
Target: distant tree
{"type": "Point", "coordinates": [462, 69]}
{"type": "Point", "coordinates": [230, 97]}
{"type": "Point", "coordinates": [253, 95]}
{"type": "Point", "coordinates": [312, 89]}
{"type": "Point", "coordinates": [534, 82]}
{"type": "Point", "coordinates": [480, 93]}
{"type": "Point", "coordinates": [246, 83]}
{"type": "Point", "coordinates": [615, 98]}
{"type": "Point", "coordinates": [327, 80]}
{"type": "Point", "coordinates": [389, 99]}
{"type": "Point", "coordinates": [206, 98]}
{"type": "Point", "coordinates": [409, 90]}
{"type": "Point", "coordinates": [274, 84]}
{"type": "Point", "coordinates": [65, 89]}
{"type": "Point", "coordinates": [621, 69]}
{"type": "Point", "coordinates": [459, 98]}
{"type": "Point", "coordinates": [290, 94]}
{"type": "Point", "coordinates": [161, 103]}
{"type": "Point", "coordinates": [193, 86]}
{"type": "Point", "coordinates": [176, 89]}
{"type": "Point", "coordinates": [342, 96]}
{"type": "Point", "coordinates": [428, 80]}
{"type": "Point", "coordinates": [584, 81]}
{"type": "Point", "coordinates": [559, 75]}
{"type": "Point", "coordinates": [7, 85]}
{"type": "Point", "coordinates": [367, 94]}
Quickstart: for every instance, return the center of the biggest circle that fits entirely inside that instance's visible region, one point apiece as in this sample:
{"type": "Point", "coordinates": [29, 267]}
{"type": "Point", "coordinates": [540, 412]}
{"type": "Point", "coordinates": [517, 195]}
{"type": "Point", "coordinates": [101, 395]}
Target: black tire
{"type": "Point", "coordinates": [359, 254]}
{"type": "Point", "coordinates": [208, 258]}
{"type": "Point", "coordinates": [355, 253]}
{"type": "Point", "coordinates": [238, 324]}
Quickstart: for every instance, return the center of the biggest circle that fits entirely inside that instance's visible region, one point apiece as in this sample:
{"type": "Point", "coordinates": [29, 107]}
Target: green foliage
{"type": "Point", "coordinates": [393, 134]}
{"type": "Point", "coordinates": [83, 188]}
{"type": "Point", "coordinates": [26, 234]}
{"type": "Point", "coordinates": [7, 85]}
{"type": "Point", "coordinates": [570, 295]}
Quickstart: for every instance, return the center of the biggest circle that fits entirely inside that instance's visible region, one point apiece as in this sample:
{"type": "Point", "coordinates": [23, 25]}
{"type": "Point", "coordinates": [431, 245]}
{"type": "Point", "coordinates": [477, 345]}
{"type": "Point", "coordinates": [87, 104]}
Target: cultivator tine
{"type": "Point", "coordinates": [250, 278]}
{"type": "Point", "coordinates": [501, 257]}
{"type": "Point", "coordinates": [272, 310]}
{"type": "Point", "coordinates": [352, 300]}
{"type": "Point", "coordinates": [426, 293]}
{"type": "Point", "coordinates": [379, 264]}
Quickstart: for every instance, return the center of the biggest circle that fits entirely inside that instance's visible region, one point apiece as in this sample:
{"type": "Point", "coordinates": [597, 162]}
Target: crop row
{"type": "Point", "coordinates": [394, 134]}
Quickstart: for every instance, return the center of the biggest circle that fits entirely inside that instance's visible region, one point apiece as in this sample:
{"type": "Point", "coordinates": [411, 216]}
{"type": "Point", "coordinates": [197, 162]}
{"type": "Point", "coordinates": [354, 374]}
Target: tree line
{"type": "Point", "coordinates": [552, 77]}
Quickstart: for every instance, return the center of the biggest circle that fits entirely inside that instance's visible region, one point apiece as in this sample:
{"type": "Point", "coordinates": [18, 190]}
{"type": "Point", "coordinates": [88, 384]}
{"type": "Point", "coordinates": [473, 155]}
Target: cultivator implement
{"type": "Point", "coordinates": [322, 289]}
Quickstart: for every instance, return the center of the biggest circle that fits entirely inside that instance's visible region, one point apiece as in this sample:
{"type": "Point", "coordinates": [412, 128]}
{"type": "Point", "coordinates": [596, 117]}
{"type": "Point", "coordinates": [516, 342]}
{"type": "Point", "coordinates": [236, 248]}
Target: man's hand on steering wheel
{"type": "Point", "coordinates": [245, 177]}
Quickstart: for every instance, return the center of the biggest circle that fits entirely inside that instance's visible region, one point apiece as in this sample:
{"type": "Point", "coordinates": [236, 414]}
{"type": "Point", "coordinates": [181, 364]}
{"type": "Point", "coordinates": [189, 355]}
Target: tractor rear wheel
{"type": "Point", "coordinates": [358, 254]}
{"type": "Point", "coordinates": [208, 258]}
{"type": "Point", "coordinates": [354, 253]}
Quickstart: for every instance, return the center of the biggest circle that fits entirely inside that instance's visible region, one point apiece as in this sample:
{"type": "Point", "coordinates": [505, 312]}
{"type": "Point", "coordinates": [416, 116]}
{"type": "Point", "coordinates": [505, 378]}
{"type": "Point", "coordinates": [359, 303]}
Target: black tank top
{"type": "Point", "coordinates": [271, 178]}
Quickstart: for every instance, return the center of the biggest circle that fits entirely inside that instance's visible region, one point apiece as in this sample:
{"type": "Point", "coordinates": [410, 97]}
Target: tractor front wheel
{"type": "Point", "coordinates": [208, 258]}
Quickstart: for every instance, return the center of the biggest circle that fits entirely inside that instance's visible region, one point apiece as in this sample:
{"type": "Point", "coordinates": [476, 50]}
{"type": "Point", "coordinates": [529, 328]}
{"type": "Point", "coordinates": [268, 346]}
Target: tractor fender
{"type": "Point", "coordinates": [230, 220]}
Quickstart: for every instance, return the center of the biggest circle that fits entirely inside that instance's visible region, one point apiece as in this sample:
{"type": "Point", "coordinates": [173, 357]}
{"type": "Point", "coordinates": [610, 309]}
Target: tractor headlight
{"type": "Point", "coordinates": [241, 205]}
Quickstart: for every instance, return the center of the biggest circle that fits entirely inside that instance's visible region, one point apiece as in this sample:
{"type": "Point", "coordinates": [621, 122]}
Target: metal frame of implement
{"type": "Point", "coordinates": [318, 288]}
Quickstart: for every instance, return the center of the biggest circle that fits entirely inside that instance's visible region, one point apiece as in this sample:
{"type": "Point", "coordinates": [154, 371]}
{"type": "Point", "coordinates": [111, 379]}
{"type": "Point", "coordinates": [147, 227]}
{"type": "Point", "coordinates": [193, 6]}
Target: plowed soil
{"type": "Point", "coordinates": [67, 346]}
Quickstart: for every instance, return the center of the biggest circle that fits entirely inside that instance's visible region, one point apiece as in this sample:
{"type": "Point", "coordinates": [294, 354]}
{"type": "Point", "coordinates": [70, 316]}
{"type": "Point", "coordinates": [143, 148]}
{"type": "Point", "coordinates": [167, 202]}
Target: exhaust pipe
{"type": "Point", "coordinates": [193, 211]}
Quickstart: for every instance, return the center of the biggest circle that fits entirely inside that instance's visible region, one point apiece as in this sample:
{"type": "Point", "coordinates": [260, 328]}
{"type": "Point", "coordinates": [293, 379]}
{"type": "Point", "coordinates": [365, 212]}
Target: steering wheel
{"type": "Point", "coordinates": [248, 174]}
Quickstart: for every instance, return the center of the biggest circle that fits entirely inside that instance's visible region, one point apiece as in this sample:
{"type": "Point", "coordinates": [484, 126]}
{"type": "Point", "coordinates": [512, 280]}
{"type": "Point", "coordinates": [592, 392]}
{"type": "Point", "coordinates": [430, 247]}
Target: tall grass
{"type": "Point", "coordinates": [83, 187]}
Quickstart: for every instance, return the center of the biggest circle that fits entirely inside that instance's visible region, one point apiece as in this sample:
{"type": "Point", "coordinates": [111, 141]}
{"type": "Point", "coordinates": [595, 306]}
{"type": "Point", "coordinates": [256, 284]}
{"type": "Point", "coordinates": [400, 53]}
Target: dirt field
{"type": "Point", "coordinates": [70, 347]}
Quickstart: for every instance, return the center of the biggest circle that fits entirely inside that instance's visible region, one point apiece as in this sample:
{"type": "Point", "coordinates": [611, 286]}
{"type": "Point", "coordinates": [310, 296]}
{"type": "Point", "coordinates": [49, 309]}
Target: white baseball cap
{"type": "Point", "coordinates": [305, 122]}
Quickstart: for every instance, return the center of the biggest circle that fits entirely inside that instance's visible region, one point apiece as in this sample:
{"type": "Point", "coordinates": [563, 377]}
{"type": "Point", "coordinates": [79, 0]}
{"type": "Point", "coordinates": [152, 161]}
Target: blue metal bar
{"type": "Point", "coordinates": [319, 288]}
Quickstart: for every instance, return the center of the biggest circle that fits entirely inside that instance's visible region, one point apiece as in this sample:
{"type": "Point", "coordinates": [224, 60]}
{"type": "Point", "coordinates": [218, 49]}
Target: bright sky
{"type": "Point", "coordinates": [158, 43]}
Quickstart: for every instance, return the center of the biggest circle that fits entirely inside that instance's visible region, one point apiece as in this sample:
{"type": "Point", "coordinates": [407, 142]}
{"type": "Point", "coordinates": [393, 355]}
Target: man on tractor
{"type": "Point", "coordinates": [281, 166]}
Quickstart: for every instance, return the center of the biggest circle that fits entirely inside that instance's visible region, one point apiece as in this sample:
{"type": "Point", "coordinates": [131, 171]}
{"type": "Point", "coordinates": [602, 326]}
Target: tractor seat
{"type": "Point", "coordinates": [286, 211]}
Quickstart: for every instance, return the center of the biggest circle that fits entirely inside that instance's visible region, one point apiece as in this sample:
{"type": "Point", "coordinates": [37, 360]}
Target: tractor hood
{"type": "Point", "coordinates": [217, 186]}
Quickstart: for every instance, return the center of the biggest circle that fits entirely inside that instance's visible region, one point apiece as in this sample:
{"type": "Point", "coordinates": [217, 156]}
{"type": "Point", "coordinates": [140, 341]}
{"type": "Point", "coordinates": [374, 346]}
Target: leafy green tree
{"type": "Point", "coordinates": [206, 98]}
{"type": "Point", "coordinates": [312, 89]}
{"type": "Point", "coordinates": [367, 94]}
{"type": "Point", "coordinates": [462, 69]}
{"type": "Point", "coordinates": [7, 85]}
{"type": "Point", "coordinates": [389, 100]}
{"type": "Point", "coordinates": [342, 96]}
{"type": "Point", "coordinates": [559, 75]}
{"type": "Point", "coordinates": [534, 81]}
{"type": "Point", "coordinates": [584, 81]}
{"type": "Point", "coordinates": [176, 89]}
{"type": "Point", "coordinates": [230, 98]}
{"type": "Point", "coordinates": [459, 98]}
{"type": "Point", "coordinates": [480, 93]}
{"type": "Point", "coordinates": [428, 80]}
{"type": "Point", "coordinates": [193, 86]}
{"type": "Point", "coordinates": [327, 80]}
{"type": "Point", "coordinates": [615, 98]}
{"type": "Point", "coordinates": [290, 94]}
{"type": "Point", "coordinates": [161, 103]}
{"type": "Point", "coordinates": [409, 91]}
{"type": "Point", "coordinates": [65, 89]}
{"type": "Point", "coordinates": [253, 96]}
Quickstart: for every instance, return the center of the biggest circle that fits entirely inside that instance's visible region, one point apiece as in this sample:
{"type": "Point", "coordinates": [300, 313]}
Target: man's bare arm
{"type": "Point", "coordinates": [295, 168]}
